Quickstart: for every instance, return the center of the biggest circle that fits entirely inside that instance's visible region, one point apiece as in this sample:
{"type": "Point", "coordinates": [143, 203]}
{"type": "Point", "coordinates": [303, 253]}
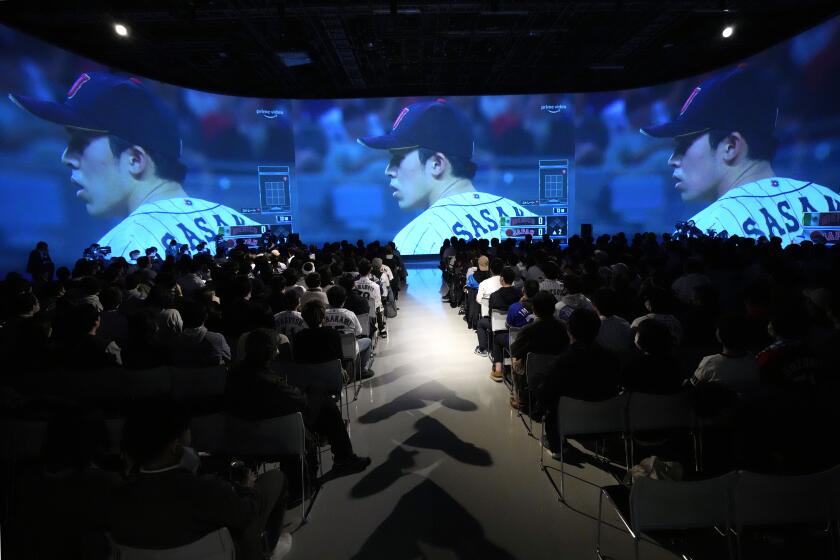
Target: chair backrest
{"type": "Point", "coordinates": [106, 384]}
{"type": "Point", "coordinates": [284, 435]}
{"type": "Point", "coordinates": [513, 333]}
{"type": "Point", "coordinates": [498, 320]}
{"type": "Point", "coordinates": [142, 383]}
{"type": "Point", "coordinates": [661, 412]}
{"type": "Point", "coordinates": [537, 368]}
{"type": "Point", "coordinates": [667, 504]}
{"type": "Point", "coordinates": [208, 433]}
{"type": "Point", "coordinates": [348, 345]}
{"type": "Point", "coordinates": [326, 375]}
{"type": "Point", "coordinates": [577, 417]}
{"type": "Point", "coordinates": [217, 545]}
{"type": "Point", "coordinates": [766, 499]}
{"type": "Point", "coordinates": [198, 383]}
{"type": "Point", "coordinates": [22, 439]}
{"type": "Point", "coordinates": [364, 319]}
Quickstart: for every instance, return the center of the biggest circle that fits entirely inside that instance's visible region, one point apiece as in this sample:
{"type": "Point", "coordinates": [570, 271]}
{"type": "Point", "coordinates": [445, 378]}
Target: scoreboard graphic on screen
{"type": "Point", "coordinates": [275, 194]}
{"type": "Point", "coordinates": [554, 181]}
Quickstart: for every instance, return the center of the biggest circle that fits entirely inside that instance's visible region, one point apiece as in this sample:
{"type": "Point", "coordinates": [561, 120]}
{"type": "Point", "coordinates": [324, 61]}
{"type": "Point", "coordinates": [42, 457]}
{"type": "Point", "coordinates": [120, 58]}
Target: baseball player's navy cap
{"type": "Point", "coordinates": [101, 102]}
{"type": "Point", "coordinates": [736, 100]}
{"type": "Point", "coordinates": [434, 125]}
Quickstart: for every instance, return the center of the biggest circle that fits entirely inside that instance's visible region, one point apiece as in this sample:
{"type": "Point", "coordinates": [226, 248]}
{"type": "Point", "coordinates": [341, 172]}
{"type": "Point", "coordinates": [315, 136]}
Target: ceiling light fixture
{"type": "Point", "coordinates": [727, 31]}
{"type": "Point", "coordinates": [121, 30]}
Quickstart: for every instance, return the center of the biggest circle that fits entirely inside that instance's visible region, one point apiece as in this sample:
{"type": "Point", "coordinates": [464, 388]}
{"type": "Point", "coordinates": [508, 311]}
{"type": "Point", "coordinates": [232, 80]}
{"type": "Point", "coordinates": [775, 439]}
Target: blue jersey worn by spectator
{"type": "Point", "coordinates": [518, 316]}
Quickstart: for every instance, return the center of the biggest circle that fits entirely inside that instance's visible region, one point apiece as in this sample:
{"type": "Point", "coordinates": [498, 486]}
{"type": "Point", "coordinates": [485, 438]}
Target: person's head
{"type": "Point", "coordinates": [508, 276]}
{"type": "Point", "coordinates": [123, 139]}
{"type": "Point", "coordinates": [156, 432]}
{"type": "Point", "coordinates": [657, 300]}
{"type": "Point", "coordinates": [347, 282]}
{"type": "Point", "coordinates": [431, 146]}
{"type": "Point", "coordinates": [497, 265]}
{"type": "Point", "coordinates": [723, 130]}
{"type": "Point", "coordinates": [260, 348]}
{"type": "Point", "coordinates": [583, 325]}
{"type": "Point", "coordinates": [308, 267]}
{"type": "Point", "coordinates": [134, 254]}
{"type": "Point", "coordinates": [544, 303]}
{"type": "Point", "coordinates": [25, 304]}
{"type": "Point", "coordinates": [551, 270]}
{"type": "Point", "coordinates": [291, 300]}
{"type": "Point", "coordinates": [653, 337]}
{"type": "Point", "coordinates": [110, 298]}
{"type": "Point", "coordinates": [483, 263]}
{"type": "Point", "coordinates": [41, 246]}
{"type": "Point", "coordinates": [788, 320]}
{"type": "Point", "coordinates": [732, 332]}
{"type": "Point", "coordinates": [364, 267]}
{"type": "Point", "coordinates": [313, 280]}
{"type": "Point", "coordinates": [605, 301]}
{"type": "Point", "coordinates": [313, 313]}
{"type": "Point", "coordinates": [86, 319]}
{"type": "Point", "coordinates": [193, 314]}
{"type": "Point", "coordinates": [336, 296]}
{"type": "Point", "coordinates": [530, 289]}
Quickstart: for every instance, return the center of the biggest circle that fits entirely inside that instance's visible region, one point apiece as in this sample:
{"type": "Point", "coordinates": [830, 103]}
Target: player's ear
{"type": "Point", "coordinates": [137, 160]}
{"type": "Point", "coordinates": [733, 147]}
{"type": "Point", "coordinates": [437, 164]}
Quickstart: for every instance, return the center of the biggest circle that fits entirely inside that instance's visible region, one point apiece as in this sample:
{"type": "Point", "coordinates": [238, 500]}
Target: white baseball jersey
{"type": "Point", "coordinates": [769, 207]}
{"type": "Point", "coordinates": [369, 290]}
{"type": "Point", "coordinates": [186, 220]}
{"type": "Point", "coordinates": [289, 322]}
{"type": "Point", "coordinates": [342, 319]}
{"type": "Point", "coordinates": [467, 215]}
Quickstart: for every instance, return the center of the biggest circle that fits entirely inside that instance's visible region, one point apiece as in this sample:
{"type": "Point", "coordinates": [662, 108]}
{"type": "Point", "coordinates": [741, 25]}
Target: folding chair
{"type": "Point", "coordinates": [663, 413]}
{"type": "Point", "coordinates": [217, 545]}
{"type": "Point", "coordinates": [350, 354]}
{"type": "Point", "coordinates": [268, 439]}
{"type": "Point", "coordinates": [537, 368]}
{"type": "Point", "coordinates": [657, 505]}
{"type": "Point", "coordinates": [326, 376]}
{"type": "Point", "coordinates": [198, 383]}
{"type": "Point", "coordinates": [498, 324]}
{"type": "Point", "coordinates": [765, 500]}
{"type": "Point", "coordinates": [106, 387]}
{"type": "Point", "coordinates": [589, 418]}
{"type": "Point", "coordinates": [144, 383]}
{"type": "Point", "coordinates": [208, 433]}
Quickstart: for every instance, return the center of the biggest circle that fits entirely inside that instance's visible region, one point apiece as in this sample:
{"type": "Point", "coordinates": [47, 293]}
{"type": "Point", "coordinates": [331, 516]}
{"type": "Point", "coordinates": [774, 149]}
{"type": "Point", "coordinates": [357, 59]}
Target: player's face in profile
{"type": "Point", "coordinates": [95, 172]}
{"type": "Point", "coordinates": [408, 179]}
{"type": "Point", "coordinates": [695, 168]}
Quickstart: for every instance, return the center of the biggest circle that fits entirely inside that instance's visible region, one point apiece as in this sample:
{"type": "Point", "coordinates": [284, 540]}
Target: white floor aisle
{"type": "Point", "coordinates": [454, 473]}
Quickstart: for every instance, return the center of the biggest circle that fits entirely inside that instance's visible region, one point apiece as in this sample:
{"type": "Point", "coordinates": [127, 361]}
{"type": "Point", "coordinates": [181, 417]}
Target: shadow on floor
{"type": "Point", "coordinates": [390, 377]}
{"type": "Point", "coordinates": [431, 434]}
{"type": "Point", "coordinates": [417, 398]}
{"type": "Point", "coordinates": [427, 514]}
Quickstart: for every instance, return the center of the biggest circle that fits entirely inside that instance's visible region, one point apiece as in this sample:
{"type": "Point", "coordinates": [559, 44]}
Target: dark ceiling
{"type": "Point", "coordinates": [399, 48]}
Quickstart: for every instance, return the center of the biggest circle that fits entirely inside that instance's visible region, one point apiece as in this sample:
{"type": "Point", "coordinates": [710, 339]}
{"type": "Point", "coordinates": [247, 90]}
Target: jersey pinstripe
{"type": "Point", "coordinates": [468, 215]}
{"type": "Point", "coordinates": [768, 207]}
{"type": "Point", "coordinates": [188, 221]}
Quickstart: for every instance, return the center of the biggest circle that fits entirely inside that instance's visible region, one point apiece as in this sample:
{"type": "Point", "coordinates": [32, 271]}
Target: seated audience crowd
{"type": "Point", "coordinates": [249, 313]}
{"type": "Point", "coordinates": [746, 326]}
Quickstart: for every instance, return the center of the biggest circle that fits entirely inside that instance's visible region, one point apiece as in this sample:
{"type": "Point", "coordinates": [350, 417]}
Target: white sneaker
{"type": "Point", "coordinates": [284, 545]}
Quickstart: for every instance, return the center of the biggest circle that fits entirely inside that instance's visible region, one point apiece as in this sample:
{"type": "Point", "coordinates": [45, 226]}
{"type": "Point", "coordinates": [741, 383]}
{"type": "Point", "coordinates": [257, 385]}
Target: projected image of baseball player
{"type": "Point", "coordinates": [725, 143]}
{"type": "Point", "coordinates": [124, 157]}
{"type": "Point", "coordinates": [431, 145]}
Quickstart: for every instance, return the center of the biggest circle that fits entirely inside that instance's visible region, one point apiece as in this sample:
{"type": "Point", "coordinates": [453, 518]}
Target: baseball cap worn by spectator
{"type": "Point", "coordinates": [731, 101]}
{"type": "Point", "coordinates": [434, 125]}
{"type": "Point", "coordinates": [101, 102]}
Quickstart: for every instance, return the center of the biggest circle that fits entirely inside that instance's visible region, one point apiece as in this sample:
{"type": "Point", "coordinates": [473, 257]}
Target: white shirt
{"type": "Point", "coordinates": [615, 334]}
{"type": "Point", "coordinates": [289, 322]}
{"type": "Point", "coordinates": [685, 285]}
{"type": "Point", "coordinates": [673, 324]}
{"type": "Point", "coordinates": [739, 373]}
{"type": "Point", "coordinates": [343, 319]}
{"type": "Point", "coordinates": [554, 287]}
{"type": "Point", "coordinates": [485, 290]}
{"type": "Point", "coordinates": [470, 215]}
{"type": "Point", "coordinates": [186, 220]}
{"type": "Point", "coordinates": [370, 291]}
